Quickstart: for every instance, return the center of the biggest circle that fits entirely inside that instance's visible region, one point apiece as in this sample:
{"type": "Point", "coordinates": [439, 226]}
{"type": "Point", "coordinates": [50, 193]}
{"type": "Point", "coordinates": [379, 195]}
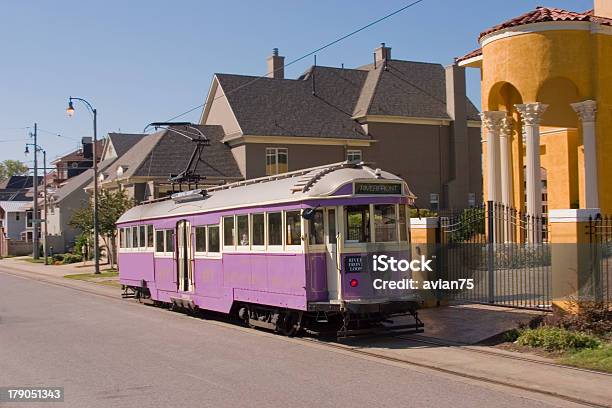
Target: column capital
{"type": "Point", "coordinates": [586, 110]}
{"type": "Point", "coordinates": [507, 127]}
{"type": "Point", "coordinates": [531, 113]}
{"type": "Point", "coordinates": [492, 120]}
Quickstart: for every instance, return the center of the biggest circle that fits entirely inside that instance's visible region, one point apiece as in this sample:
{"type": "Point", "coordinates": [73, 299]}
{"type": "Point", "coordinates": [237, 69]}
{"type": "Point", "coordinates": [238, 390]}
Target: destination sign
{"type": "Point", "coordinates": [353, 264]}
{"type": "Point", "coordinates": [378, 188]}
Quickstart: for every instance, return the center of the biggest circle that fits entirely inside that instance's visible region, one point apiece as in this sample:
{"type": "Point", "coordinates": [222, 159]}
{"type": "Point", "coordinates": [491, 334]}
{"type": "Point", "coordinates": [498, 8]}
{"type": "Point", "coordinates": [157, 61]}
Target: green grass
{"type": "Point", "coordinates": [99, 278]}
{"type": "Point", "coordinates": [557, 339]}
{"type": "Point", "coordinates": [595, 359]}
{"type": "Point", "coordinates": [32, 260]}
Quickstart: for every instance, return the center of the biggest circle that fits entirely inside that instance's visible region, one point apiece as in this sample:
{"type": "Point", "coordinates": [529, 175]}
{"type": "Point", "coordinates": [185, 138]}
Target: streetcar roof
{"type": "Point", "coordinates": [316, 182]}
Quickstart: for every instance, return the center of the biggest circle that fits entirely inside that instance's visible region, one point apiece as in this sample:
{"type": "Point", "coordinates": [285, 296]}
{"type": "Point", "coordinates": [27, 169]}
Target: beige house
{"type": "Point", "coordinates": [409, 118]}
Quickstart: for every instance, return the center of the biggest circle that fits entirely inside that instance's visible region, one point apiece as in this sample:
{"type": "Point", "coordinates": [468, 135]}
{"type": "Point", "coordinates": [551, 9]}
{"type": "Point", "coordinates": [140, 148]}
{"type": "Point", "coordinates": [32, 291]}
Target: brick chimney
{"type": "Point", "coordinates": [276, 65]}
{"type": "Point", "coordinates": [87, 143]}
{"type": "Point", "coordinates": [383, 52]}
{"type": "Point", "coordinates": [603, 8]}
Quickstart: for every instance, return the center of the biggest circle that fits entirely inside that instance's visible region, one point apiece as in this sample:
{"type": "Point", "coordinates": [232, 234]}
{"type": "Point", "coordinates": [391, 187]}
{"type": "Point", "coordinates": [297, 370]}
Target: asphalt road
{"type": "Point", "coordinates": [116, 353]}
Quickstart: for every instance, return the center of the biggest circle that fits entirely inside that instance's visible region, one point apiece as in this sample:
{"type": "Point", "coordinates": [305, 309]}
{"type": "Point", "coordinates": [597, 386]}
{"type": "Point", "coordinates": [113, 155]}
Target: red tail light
{"type": "Point", "coordinates": [354, 283]}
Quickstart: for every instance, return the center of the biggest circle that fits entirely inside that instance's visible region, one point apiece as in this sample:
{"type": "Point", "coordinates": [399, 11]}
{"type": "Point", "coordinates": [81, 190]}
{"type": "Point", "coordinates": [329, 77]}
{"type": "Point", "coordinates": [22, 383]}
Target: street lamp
{"type": "Point", "coordinates": [70, 112]}
{"type": "Point", "coordinates": [35, 219]}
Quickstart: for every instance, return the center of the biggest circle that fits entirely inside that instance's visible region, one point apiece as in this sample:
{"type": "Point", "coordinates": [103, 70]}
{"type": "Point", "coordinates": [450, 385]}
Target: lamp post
{"type": "Point", "coordinates": [70, 112]}
{"type": "Point", "coordinates": [35, 219]}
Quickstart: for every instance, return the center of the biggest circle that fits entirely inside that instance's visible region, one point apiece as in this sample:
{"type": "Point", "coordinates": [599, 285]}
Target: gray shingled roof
{"type": "Point", "coordinates": [171, 153]}
{"type": "Point", "coordinates": [165, 152]}
{"type": "Point", "coordinates": [122, 142]}
{"type": "Point", "coordinates": [288, 107]}
{"type": "Point", "coordinates": [411, 89]}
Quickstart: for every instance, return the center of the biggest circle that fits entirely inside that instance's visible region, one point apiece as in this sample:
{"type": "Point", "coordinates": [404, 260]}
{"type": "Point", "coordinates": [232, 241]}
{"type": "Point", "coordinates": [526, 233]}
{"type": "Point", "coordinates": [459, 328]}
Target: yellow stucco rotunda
{"type": "Point", "coordinates": [546, 80]}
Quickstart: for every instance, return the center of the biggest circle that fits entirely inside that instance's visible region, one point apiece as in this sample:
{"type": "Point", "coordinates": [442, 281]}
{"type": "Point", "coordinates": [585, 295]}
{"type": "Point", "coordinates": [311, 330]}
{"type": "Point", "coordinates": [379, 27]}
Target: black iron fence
{"type": "Point", "coordinates": [597, 283]}
{"type": "Point", "coordinates": [503, 252]}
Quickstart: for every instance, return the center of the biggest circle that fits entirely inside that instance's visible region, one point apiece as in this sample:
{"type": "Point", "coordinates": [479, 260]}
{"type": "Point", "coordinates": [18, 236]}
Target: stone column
{"type": "Point", "coordinates": [531, 114]}
{"type": "Point", "coordinates": [586, 112]}
{"type": "Point", "coordinates": [504, 152]}
{"type": "Point", "coordinates": [492, 122]}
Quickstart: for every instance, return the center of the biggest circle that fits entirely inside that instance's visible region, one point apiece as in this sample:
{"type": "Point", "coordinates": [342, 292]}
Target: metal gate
{"type": "Point", "coordinates": [501, 251]}
{"type": "Point", "coordinates": [597, 284]}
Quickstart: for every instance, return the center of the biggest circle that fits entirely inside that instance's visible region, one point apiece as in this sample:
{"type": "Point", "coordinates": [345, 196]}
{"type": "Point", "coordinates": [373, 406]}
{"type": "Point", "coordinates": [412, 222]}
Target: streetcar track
{"type": "Point", "coordinates": [358, 350]}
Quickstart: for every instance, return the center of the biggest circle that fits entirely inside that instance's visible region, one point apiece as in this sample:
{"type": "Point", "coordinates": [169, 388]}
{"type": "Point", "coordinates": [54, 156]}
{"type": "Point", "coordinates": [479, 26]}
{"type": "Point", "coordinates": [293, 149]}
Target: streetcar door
{"type": "Point", "coordinates": [331, 252]}
{"type": "Point", "coordinates": [184, 256]}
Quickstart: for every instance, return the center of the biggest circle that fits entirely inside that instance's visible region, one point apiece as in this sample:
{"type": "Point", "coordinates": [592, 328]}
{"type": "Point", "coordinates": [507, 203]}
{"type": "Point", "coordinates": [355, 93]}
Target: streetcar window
{"type": "Point", "coordinates": [316, 231]}
{"type": "Point", "coordinates": [159, 241]}
{"type": "Point", "coordinates": [228, 231]}
{"type": "Point", "coordinates": [169, 241]}
{"type": "Point", "coordinates": [385, 223]}
{"type": "Point", "coordinates": [128, 237]}
{"type": "Point", "coordinates": [134, 237]}
{"type": "Point", "coordinates": [293, 220]}
{"type": "Point", "coordinates": [243, 230]}
{"type": "Point", "coordinates": [143, 236]}
{"type": "Point", "coordinates": [213, 238]}
{"type": "Point", "coordinates": [275, 229]}
{"type": "Point", "coordinates": [357, 219]}
{"type": "Point", "coordinates": [121, 238]}
{"type": "Point", "coordinates": [149, 236]}
{"type": "Point", "coordinates": [258, 229]}
{"type": "Point", "coordinates": [402, 222]}
{"type": "Point", "coordinates": [200, 239]}
{"type": "Point", "coordinates": [331, 225]}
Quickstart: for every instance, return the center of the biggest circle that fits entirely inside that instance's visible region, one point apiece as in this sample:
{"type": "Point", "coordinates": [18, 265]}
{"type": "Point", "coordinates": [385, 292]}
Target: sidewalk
{"type": "Point", "coordinates": [453, 325]}
{"type": "Point", "coordinates": [56, 273]}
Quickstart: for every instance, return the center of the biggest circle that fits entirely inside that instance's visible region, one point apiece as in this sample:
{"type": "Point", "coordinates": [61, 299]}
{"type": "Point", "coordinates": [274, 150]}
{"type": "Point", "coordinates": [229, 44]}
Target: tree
{"type": "Point", "coordinates": [9, 168]}
{"type": "Point", "coordinates": [111, 204]}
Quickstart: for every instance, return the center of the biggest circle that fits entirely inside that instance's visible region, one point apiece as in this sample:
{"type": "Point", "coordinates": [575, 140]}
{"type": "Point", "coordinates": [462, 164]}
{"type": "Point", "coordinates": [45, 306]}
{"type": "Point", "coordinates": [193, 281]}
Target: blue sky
{"type": "Point", "coordinates": [144, 61]}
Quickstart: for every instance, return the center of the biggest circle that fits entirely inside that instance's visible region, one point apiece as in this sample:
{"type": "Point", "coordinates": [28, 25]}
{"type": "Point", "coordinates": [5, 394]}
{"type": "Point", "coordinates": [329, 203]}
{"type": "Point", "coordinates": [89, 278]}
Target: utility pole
{"type": "Point", "coordinates": [35, 226]}
{"type": "Point", "coordinates": [45, 206]}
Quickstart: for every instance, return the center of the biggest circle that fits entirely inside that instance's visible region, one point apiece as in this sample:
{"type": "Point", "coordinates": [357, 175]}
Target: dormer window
{"type": "Point", "coordinates": [121, 169]}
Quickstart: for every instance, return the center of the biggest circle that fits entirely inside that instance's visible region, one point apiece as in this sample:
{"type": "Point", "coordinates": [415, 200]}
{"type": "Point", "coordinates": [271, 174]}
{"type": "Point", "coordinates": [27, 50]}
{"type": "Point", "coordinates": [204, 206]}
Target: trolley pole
{"type": "Point", "coordinates": [35, 226]}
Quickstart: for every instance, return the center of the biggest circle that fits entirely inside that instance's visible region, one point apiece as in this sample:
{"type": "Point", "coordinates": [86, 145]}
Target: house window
{"type": "Point", "coordinates": [472, 199]}
{"type": "Point", "coordinates": [434, 201]}
{"type": "Point", "coordinates": [276, 160]}
{"type": "Point", "coordinates": [353, 155]}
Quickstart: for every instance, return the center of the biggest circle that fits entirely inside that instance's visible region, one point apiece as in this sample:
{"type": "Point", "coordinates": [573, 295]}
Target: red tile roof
{"type": "Point", "coordinates": [471, 54]}
{"type": "Point", "coordinates": [543, 14]}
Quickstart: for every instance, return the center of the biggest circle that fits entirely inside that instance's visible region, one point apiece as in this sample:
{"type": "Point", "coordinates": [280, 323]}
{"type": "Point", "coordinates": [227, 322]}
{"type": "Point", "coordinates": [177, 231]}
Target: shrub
{"type": "Point", "coordinates": [590, 316]}
{"type": "Point", "coordinates": [557, 339]}
{"type": "Point", "coordinates": [58, 257]}
{"type": "Point", "coordinates": [71, 258]}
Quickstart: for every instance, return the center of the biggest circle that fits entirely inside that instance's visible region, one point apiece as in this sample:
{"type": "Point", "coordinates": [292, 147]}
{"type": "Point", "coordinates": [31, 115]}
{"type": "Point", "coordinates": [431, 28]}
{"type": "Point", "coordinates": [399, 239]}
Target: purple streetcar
{"type": "Point", "coordinates": [286, 252]}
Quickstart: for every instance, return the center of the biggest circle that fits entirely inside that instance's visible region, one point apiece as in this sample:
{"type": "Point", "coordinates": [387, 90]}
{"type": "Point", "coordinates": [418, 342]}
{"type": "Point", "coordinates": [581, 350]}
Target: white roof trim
{"type": "Point", "coordinates": [540, 27]}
